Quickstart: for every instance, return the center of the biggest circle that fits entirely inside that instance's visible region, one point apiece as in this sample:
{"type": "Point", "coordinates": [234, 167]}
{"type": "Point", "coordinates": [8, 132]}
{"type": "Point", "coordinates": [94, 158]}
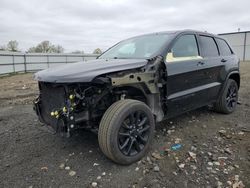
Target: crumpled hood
{"type": "Point", "coordinates": [86, 71]}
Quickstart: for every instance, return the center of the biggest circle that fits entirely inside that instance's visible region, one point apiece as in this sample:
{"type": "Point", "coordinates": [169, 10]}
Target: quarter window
{"type": "Point", "coordinates": [208, 46]}
{"type": "Point", "coordinates": [223, 47]}
{"type": "Point", "coordinates": [185, 46]}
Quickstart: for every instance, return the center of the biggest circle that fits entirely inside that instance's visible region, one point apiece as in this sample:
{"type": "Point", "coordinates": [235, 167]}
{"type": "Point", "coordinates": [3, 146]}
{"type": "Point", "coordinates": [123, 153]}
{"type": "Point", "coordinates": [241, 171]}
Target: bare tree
{"type": "Point", "coordinates": [32, 50]}
{"type": "Point", "coordinates": [58, 49]}
{"type": "Point", "coordinates": [46, 47]}
{"type": "Point", "coordinates": [12, 46]}
{"type": "Point", "coordinates": [97, 51]}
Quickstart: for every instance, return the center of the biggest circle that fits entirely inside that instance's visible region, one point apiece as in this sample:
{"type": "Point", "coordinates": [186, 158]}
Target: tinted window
{"type": "Point", "coordinates": [208, 45]}
{"type": "Point", "coordinates": [185, 46]}
{"type": "Point", "coordinates": [223, 47]}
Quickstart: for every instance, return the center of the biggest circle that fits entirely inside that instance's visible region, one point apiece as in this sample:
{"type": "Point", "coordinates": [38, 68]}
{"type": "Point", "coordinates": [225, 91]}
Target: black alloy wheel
{"type": "Point", "coordinates": [126, 131]}
{"type": "Point", "coordinates": [228, 99]}
{"type": "Point", "coordinates": [134, 133]}
{"type": "Point", "coordinates": [232, 96]}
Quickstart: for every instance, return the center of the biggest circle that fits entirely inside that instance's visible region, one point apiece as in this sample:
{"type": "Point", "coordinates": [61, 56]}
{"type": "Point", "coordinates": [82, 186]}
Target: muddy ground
{"type": "Point", "coordinates": [215, 148]}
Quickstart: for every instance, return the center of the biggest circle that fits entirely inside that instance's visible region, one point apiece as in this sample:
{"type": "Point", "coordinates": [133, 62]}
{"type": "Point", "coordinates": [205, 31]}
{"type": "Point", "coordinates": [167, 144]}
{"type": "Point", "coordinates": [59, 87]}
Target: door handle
{"type": "Point", "coordinates": [223, 60]}
{"type": "Point", "coordinates": [200, 63]}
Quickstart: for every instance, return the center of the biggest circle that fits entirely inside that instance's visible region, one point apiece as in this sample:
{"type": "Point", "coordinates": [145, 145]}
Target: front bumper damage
{"type": "Point", "coordinates": [69, 106]}
{"type": "Point", "coordinates": [60, 110]}
{"type": "Point", "coordinates": [65, 120]}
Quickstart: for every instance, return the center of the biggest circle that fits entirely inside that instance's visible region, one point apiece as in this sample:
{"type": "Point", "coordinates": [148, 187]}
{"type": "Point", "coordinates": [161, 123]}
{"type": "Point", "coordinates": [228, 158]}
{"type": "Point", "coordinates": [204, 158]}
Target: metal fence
{"type": "Point", "coordinates": [12, 62]}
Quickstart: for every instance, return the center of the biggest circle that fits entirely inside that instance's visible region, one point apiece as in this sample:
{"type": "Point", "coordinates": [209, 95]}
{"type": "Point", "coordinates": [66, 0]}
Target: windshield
{"type": "Point", "coordinates": [137, 47]}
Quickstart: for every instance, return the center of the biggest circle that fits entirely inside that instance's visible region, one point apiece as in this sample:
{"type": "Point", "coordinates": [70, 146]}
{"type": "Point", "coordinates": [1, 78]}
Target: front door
{"type": "Point", "coordinates": [186, 75]}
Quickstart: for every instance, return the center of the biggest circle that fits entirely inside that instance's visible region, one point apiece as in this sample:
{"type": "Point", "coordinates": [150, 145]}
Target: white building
{"type": "Point", "coordinates": [240, 42]}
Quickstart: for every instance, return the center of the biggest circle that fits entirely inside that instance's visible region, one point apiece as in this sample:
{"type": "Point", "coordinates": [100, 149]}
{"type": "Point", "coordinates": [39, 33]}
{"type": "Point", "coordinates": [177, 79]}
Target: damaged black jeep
{"type": "Point", "coordinates": [136, 83]}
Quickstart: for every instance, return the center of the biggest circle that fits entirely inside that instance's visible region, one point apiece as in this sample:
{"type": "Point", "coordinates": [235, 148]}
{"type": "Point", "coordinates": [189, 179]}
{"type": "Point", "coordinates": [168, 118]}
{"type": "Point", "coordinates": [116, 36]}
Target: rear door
{"type": "Point", "coordinates": [213, 67]}
{"type": "Point", "coordinates": [186, 75]}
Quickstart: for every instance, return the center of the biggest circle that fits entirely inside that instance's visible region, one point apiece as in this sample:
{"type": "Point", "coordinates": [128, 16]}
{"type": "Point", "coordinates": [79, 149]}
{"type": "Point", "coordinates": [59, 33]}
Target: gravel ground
{"type": "Point", "coordinates": [214, 148]}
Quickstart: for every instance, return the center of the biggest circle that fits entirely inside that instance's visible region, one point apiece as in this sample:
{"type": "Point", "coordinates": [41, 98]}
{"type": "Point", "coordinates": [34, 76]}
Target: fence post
{"type": "Point", "coordinates": [244, 47]}
{"type": "Point", "coordinates": [48, 60]}
{"type": "Point", "coordinates": [24, 61]}
{"type": "Point", "coordinates": [13, 62]}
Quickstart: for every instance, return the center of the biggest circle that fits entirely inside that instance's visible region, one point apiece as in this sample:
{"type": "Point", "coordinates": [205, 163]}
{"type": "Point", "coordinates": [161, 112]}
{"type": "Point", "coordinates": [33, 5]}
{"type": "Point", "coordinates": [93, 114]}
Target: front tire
{"type": "Point", "coordinates": [228, 100]}
{"type": "Point", "coordinates": [126, 131]}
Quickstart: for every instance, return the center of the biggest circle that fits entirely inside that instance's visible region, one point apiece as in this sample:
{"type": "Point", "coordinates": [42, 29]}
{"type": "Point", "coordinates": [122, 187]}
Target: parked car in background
{"type": "Point", "coordinates": [136, 83]}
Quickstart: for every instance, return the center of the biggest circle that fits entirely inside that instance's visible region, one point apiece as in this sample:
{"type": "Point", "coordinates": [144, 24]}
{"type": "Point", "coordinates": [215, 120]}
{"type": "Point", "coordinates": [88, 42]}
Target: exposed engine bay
{"type": "Point", "coordinates": [69, 106]}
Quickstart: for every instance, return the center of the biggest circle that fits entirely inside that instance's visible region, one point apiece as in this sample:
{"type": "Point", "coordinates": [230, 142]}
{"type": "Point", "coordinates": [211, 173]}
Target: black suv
{"type": "Point", "coordinates": [135, 83]}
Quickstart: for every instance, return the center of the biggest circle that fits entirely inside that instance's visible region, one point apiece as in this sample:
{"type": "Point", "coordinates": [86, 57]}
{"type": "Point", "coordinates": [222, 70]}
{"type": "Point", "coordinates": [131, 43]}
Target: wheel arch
{"type": "Point", "coordinates": [152, 100]}
{"type": "Point", "coordinates": [235, 76]}
{"type": "Point", "coordinates": [132, 91]}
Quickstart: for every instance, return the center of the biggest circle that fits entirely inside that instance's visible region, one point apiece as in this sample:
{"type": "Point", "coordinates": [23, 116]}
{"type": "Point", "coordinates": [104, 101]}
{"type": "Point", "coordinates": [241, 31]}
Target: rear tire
{"type": "Point", "coordinates": [126, 131]}
{"type": "Point", "coordinates": [228, 100]}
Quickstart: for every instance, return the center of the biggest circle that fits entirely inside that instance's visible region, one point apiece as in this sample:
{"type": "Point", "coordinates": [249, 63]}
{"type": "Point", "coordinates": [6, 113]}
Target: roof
{"type": "Point", "coordinates": [176, 32]}
{"type": "Point", "coordinates": [183, 30]}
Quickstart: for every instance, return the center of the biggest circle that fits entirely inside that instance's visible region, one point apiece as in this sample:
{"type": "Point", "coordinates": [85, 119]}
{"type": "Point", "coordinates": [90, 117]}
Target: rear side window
{"type": "Point", "coordinates": [185, 46]}
{"type": "Point", "coordinates": [208, 46]}
{"type": "Point", "coordinates": [223, 47]}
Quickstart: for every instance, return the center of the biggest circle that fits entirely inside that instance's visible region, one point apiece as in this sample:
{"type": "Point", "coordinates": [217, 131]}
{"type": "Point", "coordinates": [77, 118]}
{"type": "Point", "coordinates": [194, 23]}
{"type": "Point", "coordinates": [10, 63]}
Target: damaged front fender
{"type": "Point", "coordinates": [151, 77]}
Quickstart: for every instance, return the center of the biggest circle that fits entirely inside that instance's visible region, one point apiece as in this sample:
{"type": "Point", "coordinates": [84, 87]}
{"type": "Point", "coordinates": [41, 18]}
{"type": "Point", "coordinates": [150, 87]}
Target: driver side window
{"type": "Point", "coordinates": [185, 48]}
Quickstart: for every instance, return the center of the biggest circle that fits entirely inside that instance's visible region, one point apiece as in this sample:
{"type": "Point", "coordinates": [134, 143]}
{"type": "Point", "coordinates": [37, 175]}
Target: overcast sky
{"type": "Point", "coordinates": [88, 24]}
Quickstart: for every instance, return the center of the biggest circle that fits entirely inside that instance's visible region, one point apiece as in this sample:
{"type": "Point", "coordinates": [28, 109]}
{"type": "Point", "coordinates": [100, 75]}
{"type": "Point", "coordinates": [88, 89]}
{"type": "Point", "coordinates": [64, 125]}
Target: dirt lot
{"type": "Point", "coordinates": [215, 148]}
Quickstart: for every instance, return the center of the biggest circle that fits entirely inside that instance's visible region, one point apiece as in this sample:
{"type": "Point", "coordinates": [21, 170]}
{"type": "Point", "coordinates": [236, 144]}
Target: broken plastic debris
{"type": "Point", "coordinates": [44, 168]}
{"type": "Point", "coordinates": [72, 173]}
{"type": "Point", "coordinates": [176, 147]}
{"type": "Point", "coordinates": [192, 155]}
{"type": "Point", "coordinates": [181, 165]}
{"type": "Point", "coordinates": [156, 155]}
{"type": "Point", "coordinates": [67, 168]}
{"type": "Point", "coordinates": [95, 164]}
{"type": "Point", "coordinates": [62, 166]}
{"type": "Point", "coordinates": [94, 184]}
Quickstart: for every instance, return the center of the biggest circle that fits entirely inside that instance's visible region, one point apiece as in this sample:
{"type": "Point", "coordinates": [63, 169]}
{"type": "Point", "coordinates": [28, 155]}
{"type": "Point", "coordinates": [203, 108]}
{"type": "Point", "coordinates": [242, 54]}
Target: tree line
{"type": "Point", "coordinates": [42, 47]}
